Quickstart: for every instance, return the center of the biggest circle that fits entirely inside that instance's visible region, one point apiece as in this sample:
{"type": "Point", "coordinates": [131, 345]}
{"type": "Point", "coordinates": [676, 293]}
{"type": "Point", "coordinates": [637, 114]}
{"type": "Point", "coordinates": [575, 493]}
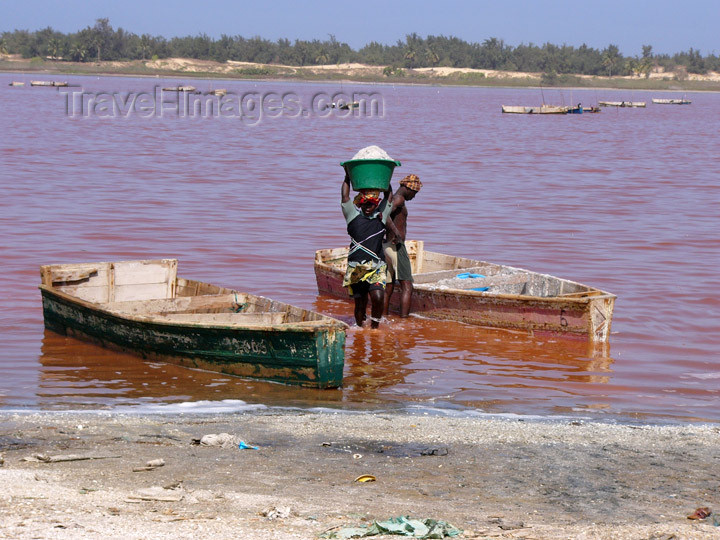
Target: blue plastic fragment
{"type": "Point", "coordinates": [244, 446]}
{"type": "Point", "coordinates": [466, 275]}
{"type": "Point", "coordinates": [479, 289]}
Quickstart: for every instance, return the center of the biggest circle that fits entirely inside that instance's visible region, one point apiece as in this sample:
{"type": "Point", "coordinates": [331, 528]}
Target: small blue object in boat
{"type": "Point", "coordinates": [479, 289]}
{"type": "Point", "coordinates": [467, 275]}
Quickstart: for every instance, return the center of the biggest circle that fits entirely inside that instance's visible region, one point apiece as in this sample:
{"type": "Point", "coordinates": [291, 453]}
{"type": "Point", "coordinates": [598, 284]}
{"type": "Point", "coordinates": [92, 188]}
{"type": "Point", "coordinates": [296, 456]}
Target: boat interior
{"type": "Point", "coordinates": [150, 289]}
{"type": "Point", "coordinates": [437, 271]}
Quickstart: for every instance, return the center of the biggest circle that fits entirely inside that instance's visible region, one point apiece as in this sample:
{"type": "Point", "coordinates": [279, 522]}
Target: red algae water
{"type": "Point", "coordinates": [244, 191]}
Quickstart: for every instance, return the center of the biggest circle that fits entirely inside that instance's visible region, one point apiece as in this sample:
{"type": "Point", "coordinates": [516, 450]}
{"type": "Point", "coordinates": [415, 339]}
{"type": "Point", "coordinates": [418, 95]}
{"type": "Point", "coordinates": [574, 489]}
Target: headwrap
{"type": "Point", "coordinates": [367, 196]}
{"type": "Point", "coordinates": [411, 181]}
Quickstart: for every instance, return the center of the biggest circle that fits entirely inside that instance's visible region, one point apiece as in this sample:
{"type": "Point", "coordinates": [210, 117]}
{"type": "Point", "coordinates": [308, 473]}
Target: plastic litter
{"type": "Point", "coordinates": [401, 526]}
{"type": "Point", "coordinates": [469, 275]}
{"type": "Point", "coordinates": [700, 513]}
{"type": "Point", "coordinates": [242, 445]}
{"type": "Point", "coordinates": [365, 478]}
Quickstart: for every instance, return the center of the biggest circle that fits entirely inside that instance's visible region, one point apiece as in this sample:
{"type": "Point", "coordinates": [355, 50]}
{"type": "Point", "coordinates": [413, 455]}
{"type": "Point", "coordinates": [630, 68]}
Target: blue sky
{"type": "Point", "coordinates": [668, 25]}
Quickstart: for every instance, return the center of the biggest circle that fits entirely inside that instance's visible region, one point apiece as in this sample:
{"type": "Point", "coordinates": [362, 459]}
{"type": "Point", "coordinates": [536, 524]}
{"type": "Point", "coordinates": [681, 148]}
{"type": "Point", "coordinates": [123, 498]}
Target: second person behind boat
{"type": "Point", "coordinates": [396, 255]}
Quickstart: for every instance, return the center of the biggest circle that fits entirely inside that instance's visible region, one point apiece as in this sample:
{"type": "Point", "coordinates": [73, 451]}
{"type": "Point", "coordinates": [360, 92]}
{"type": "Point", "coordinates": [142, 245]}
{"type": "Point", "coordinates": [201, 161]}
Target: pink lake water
{"type": "Point", "coordinates": [626, 200]}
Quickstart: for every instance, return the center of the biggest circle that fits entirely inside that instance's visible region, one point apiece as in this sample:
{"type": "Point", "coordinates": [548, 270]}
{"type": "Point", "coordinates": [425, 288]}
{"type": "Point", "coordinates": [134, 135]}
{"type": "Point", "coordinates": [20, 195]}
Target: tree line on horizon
{"type": "Point", "coordinates": [102, 42]}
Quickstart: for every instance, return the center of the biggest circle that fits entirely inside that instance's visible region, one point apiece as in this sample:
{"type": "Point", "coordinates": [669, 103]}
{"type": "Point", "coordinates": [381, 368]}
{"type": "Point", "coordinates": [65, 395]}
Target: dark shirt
{"type": "Point", "coordinates": [366, 232]}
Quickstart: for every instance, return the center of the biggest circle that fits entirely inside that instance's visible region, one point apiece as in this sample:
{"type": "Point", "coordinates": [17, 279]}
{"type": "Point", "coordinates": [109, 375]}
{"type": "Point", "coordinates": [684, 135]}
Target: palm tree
{"type": "Point", "coordinates": [322, 58]}
{"type": "Point", "coordinates": [431, 56]}
{"type": "Point", "coordinates": [53, 48]}
{"type": "Point", "coordinates": [78, 52]}
{"type": "Point", "coordinates": [410, 56]}
{"type": "Point", "coordinates": [144, 46]}
{"type": "Point", "coordinates": [610, 58]}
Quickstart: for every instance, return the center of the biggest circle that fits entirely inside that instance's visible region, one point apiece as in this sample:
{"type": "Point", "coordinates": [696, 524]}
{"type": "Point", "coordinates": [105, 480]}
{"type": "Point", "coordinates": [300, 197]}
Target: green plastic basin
{"type": "Point", "coordinates": [370, 173]}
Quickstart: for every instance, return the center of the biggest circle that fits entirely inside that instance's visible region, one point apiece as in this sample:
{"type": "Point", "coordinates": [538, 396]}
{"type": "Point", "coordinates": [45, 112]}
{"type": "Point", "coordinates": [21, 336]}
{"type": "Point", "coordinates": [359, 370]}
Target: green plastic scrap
{"type": "Point", "coordinates": [401, 526]}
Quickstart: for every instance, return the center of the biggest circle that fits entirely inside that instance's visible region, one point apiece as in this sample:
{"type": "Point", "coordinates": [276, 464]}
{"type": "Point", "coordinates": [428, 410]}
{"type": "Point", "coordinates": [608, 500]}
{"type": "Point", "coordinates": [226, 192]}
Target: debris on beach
{"type": "Point", "coordinates": [277, 512]}
{"type": "Point", "coordinates": [401, 526]}
{"type": "Point", "coordinates": [435, 451]}
{"type": "Point", "coordinates": [223, 440]}
{"type": "Point", "coordinates": [365, 478]}
{"type": "Point", "coordinates": [155, 493]}
{"type": "Point", "coordinates": [150, 465]}
{"type": "Point", "coordinates": [242, 445]}
{"type": "Point", "coordinates": [700, 513]}
{"type": "Point", "coordinates": [506, 525]}
{"type": "Point", "coordinates": [42, 458]}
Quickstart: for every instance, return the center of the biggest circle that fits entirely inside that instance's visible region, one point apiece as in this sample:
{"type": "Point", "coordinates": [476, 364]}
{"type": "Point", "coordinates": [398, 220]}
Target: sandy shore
{"type": "Point", "coordinates": [491, 478]}
{"type": "Point", "coordinates": [193, 68]}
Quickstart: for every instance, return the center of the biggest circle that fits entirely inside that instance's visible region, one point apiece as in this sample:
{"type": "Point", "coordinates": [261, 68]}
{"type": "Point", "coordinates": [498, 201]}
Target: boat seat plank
{"type": "Point", "coordinates": [181, 304]}
{"type": "Point", "coordinates": [243, 319]}
{"type": "Point", "coordinates": [70, 275]}
{"type": "Point", "coordinates": [141, 272]}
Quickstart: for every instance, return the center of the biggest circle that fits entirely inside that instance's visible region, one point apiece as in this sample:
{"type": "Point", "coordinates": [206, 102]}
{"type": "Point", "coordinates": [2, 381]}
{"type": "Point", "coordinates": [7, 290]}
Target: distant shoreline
{"type": "Point", "coordinates": [185, 69]}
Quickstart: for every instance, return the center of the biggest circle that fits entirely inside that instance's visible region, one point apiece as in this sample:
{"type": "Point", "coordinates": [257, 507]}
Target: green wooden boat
{"type": "Point", "coordinates": [144, 308]}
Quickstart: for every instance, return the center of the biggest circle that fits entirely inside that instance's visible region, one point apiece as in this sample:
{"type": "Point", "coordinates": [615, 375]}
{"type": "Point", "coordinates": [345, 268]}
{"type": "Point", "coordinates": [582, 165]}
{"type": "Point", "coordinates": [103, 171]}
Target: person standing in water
{"type": "Point", "coordinates": [366, 217]}
{"type": "Point", "coordinates": [396, 255]}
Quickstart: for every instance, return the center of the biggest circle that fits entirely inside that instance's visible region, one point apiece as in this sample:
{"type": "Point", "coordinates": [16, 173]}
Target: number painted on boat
{"type": "Point", "coordinates": [563, 320]}
{"type": "Point", "coordinates": [248, 346]}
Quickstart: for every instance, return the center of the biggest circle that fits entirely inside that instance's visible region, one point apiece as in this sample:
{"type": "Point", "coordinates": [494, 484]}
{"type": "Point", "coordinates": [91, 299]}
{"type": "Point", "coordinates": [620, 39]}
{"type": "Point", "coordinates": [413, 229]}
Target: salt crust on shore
{"type": "Point", "coordinates": [498, 479]}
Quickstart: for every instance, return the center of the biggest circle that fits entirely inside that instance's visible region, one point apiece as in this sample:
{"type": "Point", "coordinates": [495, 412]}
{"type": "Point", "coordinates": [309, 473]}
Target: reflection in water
{"type": "Point", "coordinates": [425, 361]}
{"type": "Point", "coordinates": [79, 374]}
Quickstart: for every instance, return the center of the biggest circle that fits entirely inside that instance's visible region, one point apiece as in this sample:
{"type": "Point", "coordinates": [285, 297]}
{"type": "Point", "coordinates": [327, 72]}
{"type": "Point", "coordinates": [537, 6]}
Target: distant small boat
{"type": "Point", "coordinates": [48, 83]}
{"type": "Point", "coordinates": [16, 83]}
{"type": "Point", "coordinates": [179, 89]}
{"type": "Point", "coordinates": [682, 101]}
{"type": "Point", "coordinates": [621, 103]}
{"type": "Point", "coordinates": [576, 110]}
{"type": "Point", "coordinates": [218, 92]}
{"type": "Point", "coordinates": [592, 109]}
{"type": "Point", "coordinates": [542, 109]}
{"type": "Point", "coordinates": [347, 106]}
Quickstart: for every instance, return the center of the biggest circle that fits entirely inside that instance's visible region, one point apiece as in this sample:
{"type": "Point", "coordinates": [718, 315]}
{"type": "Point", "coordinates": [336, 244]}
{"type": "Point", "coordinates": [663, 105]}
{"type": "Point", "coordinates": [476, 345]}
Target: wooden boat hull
{"type": "Point", "coordinates": [671, 101]}
{"type": "Point", "coordinates": [193, 324]}
{"type": "Point", "coordinates": [517, 299]}
{"type": "Point", "coordinates": [633, 104]}
{"type": "Point", "coordinates": [543, 109]}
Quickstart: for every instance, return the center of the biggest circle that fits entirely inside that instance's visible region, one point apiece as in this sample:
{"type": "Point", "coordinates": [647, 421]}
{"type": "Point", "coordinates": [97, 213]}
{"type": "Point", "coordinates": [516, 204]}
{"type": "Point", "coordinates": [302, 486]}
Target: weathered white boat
{"type": "Point", "coordinates": [179, 89]}
{"type": "Point", "coordinates": [682, 101]}
{"type": "Point", "coordinates": [48, 83]}
{"type": "Point", "coordinates": [144, 308]}
{"type": "Point", "coordinates": [16, 83]}
{"type": "Point", "coordinates": [621, 103]}
{"type": "Point", "coordinates": [542, 109]}
{"type": "Point", "coordinates": [487, 294]}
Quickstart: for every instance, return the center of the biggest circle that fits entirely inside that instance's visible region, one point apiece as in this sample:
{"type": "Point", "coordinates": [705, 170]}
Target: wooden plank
{"type": "Point", "coordinates": [71, 274]}
{"type": "Point", "coordinates": [179, 304]}
{"type": "Point", "coordinates": [140, 272]}
{"type": "Point", "coordinates": [249, 319]}
{"type": "Point", "coordinates": [145, 291]}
